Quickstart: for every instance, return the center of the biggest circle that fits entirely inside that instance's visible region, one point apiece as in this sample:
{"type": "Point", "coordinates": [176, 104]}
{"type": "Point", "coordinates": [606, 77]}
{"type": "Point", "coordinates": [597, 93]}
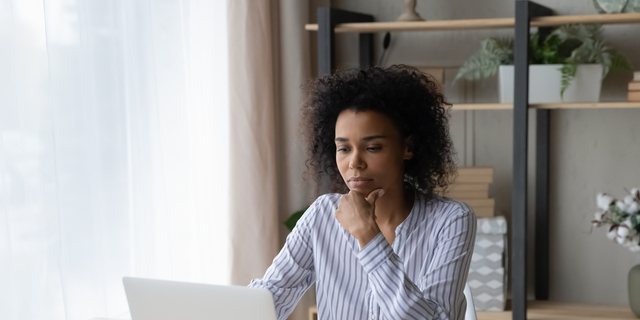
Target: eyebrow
{"type": "Point", "coordinates": [369, 138]}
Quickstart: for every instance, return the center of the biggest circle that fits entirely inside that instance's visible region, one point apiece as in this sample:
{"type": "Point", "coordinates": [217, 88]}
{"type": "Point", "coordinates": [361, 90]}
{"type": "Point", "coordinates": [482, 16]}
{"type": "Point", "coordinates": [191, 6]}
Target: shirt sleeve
{"type": "Point", "coordinates": [292, 271]}
{"type": "Point", "coordinates": [440, 294]}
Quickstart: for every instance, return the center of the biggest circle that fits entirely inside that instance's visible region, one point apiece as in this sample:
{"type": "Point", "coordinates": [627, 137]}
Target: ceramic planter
{"type": "Point", "coordinates": [545, 82]}
{"type": "Point", "coordinates": [634, 290]}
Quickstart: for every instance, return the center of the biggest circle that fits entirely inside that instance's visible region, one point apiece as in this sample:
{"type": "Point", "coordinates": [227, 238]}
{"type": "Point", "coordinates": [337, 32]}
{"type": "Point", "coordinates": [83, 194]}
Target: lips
{"type": "Point", "coordinates": [356, 182]}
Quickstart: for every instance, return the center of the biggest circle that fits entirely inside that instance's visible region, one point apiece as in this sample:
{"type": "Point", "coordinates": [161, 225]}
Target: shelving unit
{"type": "Point", "coordinates": [528, 14]}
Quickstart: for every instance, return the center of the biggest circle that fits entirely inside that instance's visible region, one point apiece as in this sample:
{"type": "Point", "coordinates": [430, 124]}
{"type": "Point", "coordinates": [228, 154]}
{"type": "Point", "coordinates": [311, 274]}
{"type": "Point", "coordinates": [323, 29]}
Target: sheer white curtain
{"type": "Point", "coordinates": [113, 151]}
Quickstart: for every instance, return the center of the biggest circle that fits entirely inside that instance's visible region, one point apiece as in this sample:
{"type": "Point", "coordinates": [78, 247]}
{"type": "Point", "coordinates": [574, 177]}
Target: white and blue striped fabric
{"type": "Point", "coordinates": [421, 276]}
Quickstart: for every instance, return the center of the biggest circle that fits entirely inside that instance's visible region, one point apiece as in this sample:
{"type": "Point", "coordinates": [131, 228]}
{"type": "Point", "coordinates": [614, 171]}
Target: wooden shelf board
{"type": "Point", "coordinates": [508, 106]}
{"type": "Point", "coordinates": [622, 18]}
{"type": "Point", "coordinates": [599, 105]}
{"type": "Point", "coordinates": [434, 25]}
{"type": "Point", "coordinates": [482, 106]}
{"type": "Point", "coordinates": [466, 24]}
{"type": "Point", "coordinates": [551, 310]}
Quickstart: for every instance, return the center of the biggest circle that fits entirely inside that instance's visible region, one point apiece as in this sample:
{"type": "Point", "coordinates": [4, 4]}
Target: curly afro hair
{"type": "Point", "coordinates": [410, 98]}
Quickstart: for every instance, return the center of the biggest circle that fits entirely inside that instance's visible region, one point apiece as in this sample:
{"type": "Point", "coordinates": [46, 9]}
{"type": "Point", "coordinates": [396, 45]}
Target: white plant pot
{"type": "Point", "coordinates": [545, 82]}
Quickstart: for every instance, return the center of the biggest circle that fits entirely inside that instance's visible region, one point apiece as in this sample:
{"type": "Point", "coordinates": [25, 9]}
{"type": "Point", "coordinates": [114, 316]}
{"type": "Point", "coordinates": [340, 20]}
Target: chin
{"type": "Point", "coordinates": [363, 191]}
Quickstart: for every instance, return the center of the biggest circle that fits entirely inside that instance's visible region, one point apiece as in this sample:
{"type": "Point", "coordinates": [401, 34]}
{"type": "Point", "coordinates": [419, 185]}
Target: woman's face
{"type": "Point", "coordinates": [370, 151]}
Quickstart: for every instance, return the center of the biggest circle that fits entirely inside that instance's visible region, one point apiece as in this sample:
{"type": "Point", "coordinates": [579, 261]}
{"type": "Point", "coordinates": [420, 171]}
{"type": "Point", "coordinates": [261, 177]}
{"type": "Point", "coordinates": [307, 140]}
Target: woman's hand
{"type": "Point", "coordinates": [357, 215]}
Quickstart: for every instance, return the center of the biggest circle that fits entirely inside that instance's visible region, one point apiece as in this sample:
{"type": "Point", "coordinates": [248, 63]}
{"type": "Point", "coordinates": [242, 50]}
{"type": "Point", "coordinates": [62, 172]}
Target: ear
{"type": "Point", "coordinates": [408, 148]}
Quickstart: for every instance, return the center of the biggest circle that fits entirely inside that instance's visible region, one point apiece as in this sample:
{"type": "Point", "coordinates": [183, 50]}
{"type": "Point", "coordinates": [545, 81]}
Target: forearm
{"type": "Point", "coordinates": [287, 281]}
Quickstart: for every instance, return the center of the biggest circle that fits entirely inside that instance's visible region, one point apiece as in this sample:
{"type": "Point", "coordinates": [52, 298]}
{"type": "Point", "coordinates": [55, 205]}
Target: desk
{"type": "Point", "coordinates": [548, 310]}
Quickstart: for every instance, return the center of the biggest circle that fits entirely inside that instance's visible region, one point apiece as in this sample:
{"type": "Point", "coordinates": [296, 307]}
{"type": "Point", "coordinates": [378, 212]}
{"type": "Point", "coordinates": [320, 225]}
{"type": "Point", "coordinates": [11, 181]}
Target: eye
{"type": "Point", "coordinates": [342, 149]}
{"type": "Point", "coordinates": [374, 148]}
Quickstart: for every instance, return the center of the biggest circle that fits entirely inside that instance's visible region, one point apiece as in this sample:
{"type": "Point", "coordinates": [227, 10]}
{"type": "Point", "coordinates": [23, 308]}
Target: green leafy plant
{"type": "Point", "coordinates": [293, 219]}
{"type": "Point", "coordinates": [569, 44]}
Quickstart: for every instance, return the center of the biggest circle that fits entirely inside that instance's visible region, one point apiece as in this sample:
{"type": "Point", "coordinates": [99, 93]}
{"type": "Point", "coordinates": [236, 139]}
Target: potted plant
{"type": "Point", "coordinates": [568, 65]}
{"type": "Point", "coordinates": [622, 218]}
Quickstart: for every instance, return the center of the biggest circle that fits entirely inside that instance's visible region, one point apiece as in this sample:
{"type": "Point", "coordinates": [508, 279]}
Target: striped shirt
{"type": "Point", "coordinates": [421, 276]}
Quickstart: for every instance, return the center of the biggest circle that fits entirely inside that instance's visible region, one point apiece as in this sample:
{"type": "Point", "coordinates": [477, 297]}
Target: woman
{"type": "Point", "coordinates": [385, 246]}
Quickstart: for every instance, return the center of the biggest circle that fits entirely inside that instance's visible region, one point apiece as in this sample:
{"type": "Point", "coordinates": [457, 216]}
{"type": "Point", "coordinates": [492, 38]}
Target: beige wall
{"type": "Point", "coordinates": [591, 150]}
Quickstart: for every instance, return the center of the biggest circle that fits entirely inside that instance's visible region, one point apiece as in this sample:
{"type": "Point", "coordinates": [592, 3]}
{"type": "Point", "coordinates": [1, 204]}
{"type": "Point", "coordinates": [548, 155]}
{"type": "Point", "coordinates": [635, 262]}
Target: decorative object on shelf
{"type": "Point", "coordinates": [544, 80]}
{"type": "Point", "coordinates": [634, 88]}
{"type": "Point", "coordinates": [409, 12]}
{"type": "Point", "coordinates": [488, 269]}
{"type": "Point", "coordinates": [570, 46]}
{"type": "Point", "coordinates": [623, 219]}
{"type": "Point", "coordinates": [634, 290]}
{"type": "Point", "coordinates": [617, 6]}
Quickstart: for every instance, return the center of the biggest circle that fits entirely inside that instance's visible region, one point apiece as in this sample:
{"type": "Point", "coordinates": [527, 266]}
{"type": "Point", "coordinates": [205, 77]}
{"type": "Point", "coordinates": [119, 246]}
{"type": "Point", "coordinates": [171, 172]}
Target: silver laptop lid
{"type": "Point", "coordinates": [171, 300]}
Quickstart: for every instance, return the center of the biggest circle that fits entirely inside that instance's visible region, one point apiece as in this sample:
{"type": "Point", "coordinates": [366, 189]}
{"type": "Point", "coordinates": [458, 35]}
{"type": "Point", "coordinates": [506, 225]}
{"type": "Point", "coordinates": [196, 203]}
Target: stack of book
{"type": "Point", "coordinates": [472, 187]}
{"type": "Point", "coordinates": [634, 88]}
{"type": "Point", "coordinates": [487, 272]}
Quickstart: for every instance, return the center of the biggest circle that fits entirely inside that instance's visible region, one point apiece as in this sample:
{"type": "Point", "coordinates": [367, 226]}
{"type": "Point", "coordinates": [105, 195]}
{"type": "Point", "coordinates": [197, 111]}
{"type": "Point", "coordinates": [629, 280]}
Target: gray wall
{"type": "Point", "coordinates": [591, 150]}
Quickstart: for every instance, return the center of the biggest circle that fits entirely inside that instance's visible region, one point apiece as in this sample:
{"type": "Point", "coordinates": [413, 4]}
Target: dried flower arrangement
{"type": "Point", "coordinates": [623, 217]}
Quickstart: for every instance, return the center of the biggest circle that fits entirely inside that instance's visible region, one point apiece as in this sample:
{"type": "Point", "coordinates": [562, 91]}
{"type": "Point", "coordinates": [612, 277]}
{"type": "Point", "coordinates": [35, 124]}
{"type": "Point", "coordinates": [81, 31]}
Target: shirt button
{"type": "Point", "coordinates": [373, 316]}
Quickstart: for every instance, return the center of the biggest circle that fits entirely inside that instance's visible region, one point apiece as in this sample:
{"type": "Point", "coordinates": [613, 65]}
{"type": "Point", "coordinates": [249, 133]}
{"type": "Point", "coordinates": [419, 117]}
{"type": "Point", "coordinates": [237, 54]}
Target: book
{"type": "Point", "coordinates": [437, 73]}
{"type": "Point", "coordinates": [467, 194]}
{"type": "Point", "coordinates": [483, 208]}
{"type": "Point", "coordinates": [477, 203]}
{"type": "Point", "coordinates": [466, 191]}
{"type": "Point", "coordinates": [474, 175]}
{"type": "Point", "coordinates": [634, 86]}
{"type": "Point", "coordinates": [475, 171]}
{"type": "Point", "coordinates": [484, 212]}
{"type": "Point", "coordinates": [634, 96]}
{"type": "Point", "coordinates": [473, 187]}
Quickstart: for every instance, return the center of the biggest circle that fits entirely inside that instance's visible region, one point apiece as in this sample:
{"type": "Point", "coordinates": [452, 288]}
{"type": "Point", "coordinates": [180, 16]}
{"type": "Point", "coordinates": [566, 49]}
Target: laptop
{"type": "Point", "coordinates": [151, 299]}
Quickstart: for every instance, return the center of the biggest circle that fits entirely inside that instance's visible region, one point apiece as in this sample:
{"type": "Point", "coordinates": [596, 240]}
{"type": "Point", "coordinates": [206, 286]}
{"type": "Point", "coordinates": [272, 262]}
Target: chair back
{"type": "Point", "coordinates": [470, 314]}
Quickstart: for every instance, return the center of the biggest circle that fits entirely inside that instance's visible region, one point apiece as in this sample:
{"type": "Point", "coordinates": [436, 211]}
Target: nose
{"type": "Point", "coordinates": [356, 161]}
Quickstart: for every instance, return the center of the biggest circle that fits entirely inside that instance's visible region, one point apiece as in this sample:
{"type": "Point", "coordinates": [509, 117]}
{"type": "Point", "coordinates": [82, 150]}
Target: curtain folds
{"type": "Point", "coordinates": [252, 171]}
{"type": "Point", "coordinates": [268, 61]}
{"type": "Point", "coordinates": [113, 151]}
{"type": "Point", "coordinates": [144, 138]}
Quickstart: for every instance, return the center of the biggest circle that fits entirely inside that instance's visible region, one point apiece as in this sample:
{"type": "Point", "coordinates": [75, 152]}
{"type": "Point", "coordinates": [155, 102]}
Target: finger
{"type": "Point", "coordinates": [374, 195]}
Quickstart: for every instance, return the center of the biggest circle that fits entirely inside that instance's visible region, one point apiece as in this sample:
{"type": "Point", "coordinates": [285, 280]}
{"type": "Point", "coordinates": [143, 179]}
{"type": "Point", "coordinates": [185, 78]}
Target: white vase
{"type": "Point", "coordinates": [545, 82]}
